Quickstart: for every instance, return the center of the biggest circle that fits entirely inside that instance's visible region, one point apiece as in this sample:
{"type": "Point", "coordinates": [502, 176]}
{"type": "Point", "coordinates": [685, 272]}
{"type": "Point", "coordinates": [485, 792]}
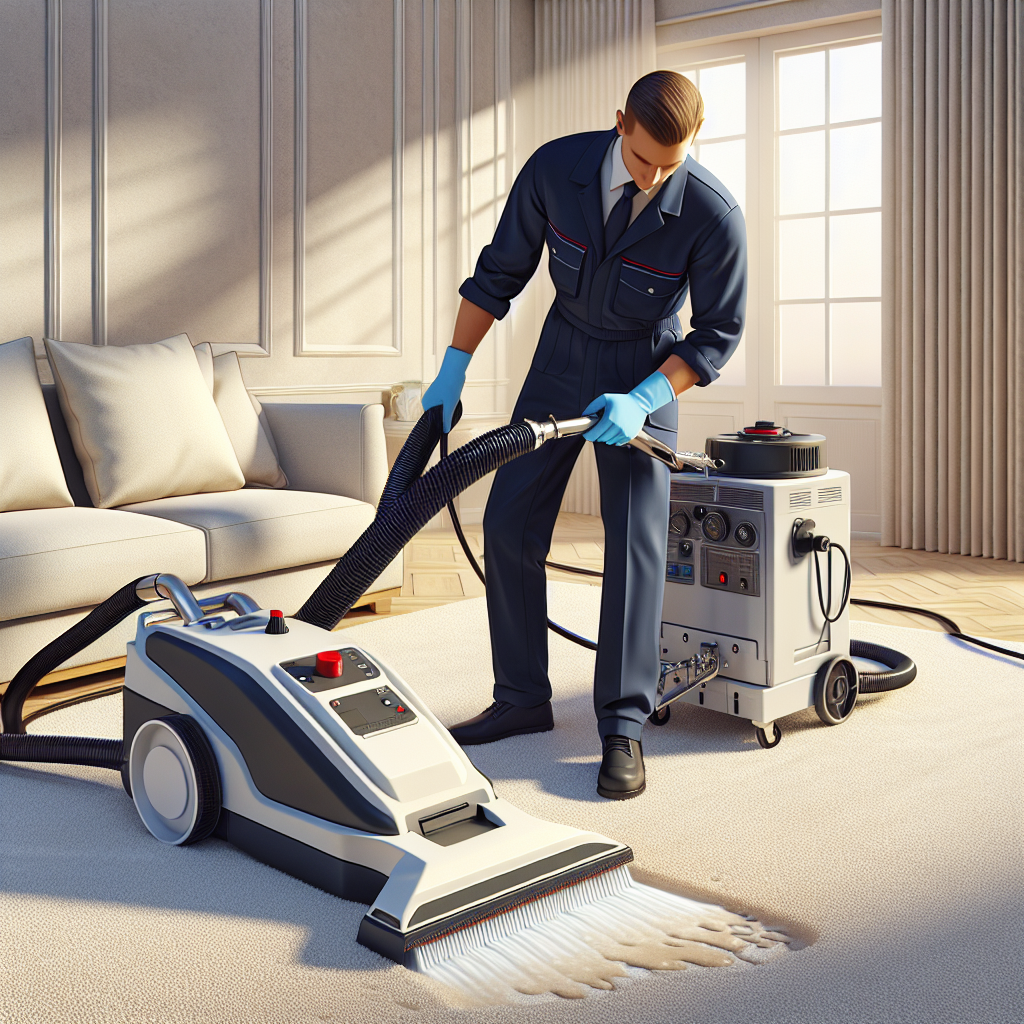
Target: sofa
{"type": "Point", "coordinates": [68, 541]}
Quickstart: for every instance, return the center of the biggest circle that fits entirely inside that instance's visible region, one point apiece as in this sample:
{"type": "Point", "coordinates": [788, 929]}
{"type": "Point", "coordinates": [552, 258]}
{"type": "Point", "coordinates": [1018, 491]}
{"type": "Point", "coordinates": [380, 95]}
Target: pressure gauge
{"type": "Point", "coordinates": [679, 524]}
{"type": "Point", "coordinates": [746, 535]}
{"type": "Point", "coordinates": [715, 527]}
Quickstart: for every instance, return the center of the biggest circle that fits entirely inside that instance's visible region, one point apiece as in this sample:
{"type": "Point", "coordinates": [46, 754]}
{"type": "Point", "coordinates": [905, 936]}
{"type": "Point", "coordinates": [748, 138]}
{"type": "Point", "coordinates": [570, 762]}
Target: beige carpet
{"type": "Point", "coordinates": [893, 846]}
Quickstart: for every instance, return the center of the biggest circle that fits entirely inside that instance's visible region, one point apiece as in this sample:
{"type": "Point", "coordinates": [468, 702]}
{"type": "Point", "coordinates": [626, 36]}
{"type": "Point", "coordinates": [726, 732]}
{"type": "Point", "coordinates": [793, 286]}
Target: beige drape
{"type": "Point", "coordinates": [588, 53]}
{"type": "Point", "coordinates": [953, 308]}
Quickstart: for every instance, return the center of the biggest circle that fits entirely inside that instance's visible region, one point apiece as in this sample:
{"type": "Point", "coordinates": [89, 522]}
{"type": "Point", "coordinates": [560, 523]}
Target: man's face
{"type": "Point", "coordinates": [646, 159]}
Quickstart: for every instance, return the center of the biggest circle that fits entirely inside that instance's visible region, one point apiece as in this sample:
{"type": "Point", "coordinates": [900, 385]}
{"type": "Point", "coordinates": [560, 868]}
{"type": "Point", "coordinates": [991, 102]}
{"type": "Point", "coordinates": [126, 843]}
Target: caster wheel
{"type": "Point", "coordinates": [660, 716]}
{"type": "Point", "coordinates": [835, 690]}
{"type": "Point", "coordinates": [174, 780]}
{"type": "Point", "coordinates": [769, 736]}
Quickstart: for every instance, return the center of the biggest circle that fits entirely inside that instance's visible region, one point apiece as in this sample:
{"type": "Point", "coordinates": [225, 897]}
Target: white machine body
{"type": "Point", "coordinates": [427, 840]}
{"type": "Point", "coordinates": [746, 592]}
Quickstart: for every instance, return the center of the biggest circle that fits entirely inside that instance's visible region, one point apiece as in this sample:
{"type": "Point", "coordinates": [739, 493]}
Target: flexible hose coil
{"type": "Point", "coordinates": [400, 516]}
{"type": "Point", "coordinates": [902, 668]}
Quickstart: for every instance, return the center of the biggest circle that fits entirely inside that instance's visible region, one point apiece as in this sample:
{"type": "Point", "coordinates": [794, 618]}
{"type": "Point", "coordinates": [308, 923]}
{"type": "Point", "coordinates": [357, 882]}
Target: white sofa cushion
{"type": "Point", "coordinates": [57, 558]}
{"type": "Point", "coordinates": [30, 472]}
{"type": "Point", "coordinates": [142, 421]}
{"type": "Point", "coordinates": [258, 530]}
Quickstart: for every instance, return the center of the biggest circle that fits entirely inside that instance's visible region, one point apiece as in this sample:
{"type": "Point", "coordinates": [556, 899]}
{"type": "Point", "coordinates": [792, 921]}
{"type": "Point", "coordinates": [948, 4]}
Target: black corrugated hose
{"type": "Point", "coordinates": [100, 753]}
{"type": "Point", "coordinates": [408, 503]}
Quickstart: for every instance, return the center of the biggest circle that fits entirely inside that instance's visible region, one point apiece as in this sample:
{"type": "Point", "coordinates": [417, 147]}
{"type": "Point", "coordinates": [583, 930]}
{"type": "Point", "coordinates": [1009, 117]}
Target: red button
{"type": "Point", "coordinates": [328, 664]}
{"type": "Point", "coordinates": [723, 578]}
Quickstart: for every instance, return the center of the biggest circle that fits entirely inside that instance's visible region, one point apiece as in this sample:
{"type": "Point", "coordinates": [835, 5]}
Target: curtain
{"type": "Point", "coordinates": [953, 311]}
{"type": "Point", "coordinates": [588, 54]}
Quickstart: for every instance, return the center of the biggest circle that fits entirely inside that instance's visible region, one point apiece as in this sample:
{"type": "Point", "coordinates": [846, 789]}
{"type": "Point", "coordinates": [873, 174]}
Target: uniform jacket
{"type": "Point", "coordinates": [690, 237]}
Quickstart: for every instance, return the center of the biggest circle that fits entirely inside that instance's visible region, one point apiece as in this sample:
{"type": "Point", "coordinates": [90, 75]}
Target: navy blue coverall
{"type": "Point", "coordinates": [611, 325]}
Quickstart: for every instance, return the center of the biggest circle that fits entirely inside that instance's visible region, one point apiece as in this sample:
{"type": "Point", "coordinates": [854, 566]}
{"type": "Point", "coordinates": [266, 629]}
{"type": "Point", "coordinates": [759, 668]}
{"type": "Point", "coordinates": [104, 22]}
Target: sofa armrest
{"type": "Point", "coordinates": [331, 447]}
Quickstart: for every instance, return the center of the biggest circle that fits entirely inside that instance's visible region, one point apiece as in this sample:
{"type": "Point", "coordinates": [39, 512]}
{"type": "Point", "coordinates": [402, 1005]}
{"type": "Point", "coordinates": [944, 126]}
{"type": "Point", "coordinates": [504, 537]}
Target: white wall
{"type": "Point", "coordinates": [306, 182]}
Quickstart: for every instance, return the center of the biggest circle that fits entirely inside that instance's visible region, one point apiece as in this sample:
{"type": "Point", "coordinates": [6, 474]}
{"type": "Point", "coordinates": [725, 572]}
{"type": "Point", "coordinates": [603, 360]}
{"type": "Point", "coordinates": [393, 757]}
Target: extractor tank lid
{"type": "Point", "coordinates": [768, 451]}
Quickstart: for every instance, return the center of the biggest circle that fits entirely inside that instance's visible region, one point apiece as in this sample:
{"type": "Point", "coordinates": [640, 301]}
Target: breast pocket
{"type": "Point", "coordinates": [644, 293]}
{"type": "Point", "coordinates": [565, 262]}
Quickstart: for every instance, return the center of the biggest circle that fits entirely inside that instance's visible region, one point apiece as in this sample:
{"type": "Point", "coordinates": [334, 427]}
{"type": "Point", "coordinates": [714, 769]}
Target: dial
{"type": "Point", "coordinates": [746, 535]}
{"type": "Point", "coordinates": [679, 524]}
{"type": "Point", "coordinates": [715, 527]}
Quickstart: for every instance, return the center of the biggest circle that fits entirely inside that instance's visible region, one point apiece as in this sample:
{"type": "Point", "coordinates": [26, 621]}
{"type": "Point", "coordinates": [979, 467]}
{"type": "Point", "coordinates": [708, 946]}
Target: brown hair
{"type": "Point", "coordinates": [667, 105]}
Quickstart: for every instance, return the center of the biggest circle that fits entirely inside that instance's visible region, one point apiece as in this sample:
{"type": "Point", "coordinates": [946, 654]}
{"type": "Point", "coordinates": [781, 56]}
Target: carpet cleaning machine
{"type": "Point", "coordinates": [318, 759]}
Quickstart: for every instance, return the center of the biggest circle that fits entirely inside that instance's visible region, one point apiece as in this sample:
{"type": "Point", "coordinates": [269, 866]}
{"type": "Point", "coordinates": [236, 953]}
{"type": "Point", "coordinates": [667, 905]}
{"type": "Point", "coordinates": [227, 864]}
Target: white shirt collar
{"type": "Point", "coordinates": [619, 173]}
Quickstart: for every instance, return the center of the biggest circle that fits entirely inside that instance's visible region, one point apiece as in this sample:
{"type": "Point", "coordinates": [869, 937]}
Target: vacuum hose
{"type": "Point", "coordinates": [408, 503]}
{"type": "Point", "coordinates": [14, 744]}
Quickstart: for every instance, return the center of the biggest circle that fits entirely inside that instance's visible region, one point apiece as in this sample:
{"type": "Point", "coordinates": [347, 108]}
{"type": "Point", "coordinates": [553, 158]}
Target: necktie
{"type": "Point", "coordinates": [618, 219]}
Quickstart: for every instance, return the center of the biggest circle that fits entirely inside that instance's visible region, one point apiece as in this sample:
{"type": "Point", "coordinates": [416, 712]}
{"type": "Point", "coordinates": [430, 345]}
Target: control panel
{"type": "Point", "coordinates": [372, 710]}
{"type": "Point", "coordinates": [331, 669]}
{"type": "Point", "coordinates": [716, 546]}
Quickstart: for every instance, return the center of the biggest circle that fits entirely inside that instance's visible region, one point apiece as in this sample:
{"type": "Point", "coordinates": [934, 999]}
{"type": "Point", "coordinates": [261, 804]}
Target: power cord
{"type": "Point", "coordinates": [567, 634]}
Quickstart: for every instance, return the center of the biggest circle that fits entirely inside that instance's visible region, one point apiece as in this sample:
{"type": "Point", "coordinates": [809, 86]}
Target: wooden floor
{"type": "Point", "coordinates": [983, 596]}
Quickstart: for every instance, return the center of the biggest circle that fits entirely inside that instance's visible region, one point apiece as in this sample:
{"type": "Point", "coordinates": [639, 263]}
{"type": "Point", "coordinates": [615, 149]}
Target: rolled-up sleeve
{"type": "Point", "coordinates": [509, 261]}
{"type": "Point", "coordinates": [718, 298]}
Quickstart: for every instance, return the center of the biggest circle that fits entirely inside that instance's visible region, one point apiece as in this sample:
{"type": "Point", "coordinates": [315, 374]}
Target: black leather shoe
{"type": "Point", "coordinates": [622, 769]}
{"type": "Point", "coordinates": [502, 719]}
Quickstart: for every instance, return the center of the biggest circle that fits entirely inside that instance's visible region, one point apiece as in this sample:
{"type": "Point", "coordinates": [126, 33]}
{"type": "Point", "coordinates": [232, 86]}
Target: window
{"type": "Point", "coordinates": [817, 111]}
{"type": "Point", "coordinates": [828, 215]}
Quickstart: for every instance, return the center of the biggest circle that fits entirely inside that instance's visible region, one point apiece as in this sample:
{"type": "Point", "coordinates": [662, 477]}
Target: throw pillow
{"type": "Point", "coordinates": [143, 423]}
{"type": "Point", "coordinates": [30, 471]}
{"type": "Point", "coordinates": [243, 417]}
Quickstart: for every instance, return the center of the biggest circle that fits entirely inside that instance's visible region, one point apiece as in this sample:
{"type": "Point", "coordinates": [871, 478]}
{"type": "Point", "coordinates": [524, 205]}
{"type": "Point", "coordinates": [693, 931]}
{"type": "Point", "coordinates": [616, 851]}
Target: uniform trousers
{"type": "Point", "coordinates": [569, 370]}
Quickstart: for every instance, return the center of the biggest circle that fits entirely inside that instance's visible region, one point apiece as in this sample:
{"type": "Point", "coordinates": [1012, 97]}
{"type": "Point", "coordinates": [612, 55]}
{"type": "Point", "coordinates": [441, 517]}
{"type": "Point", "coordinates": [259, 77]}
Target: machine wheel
{"type": "Point", "coordinates": [174, 780]}
{"type": "Point", "coordinates": [763, 737]}
{"type": "Point", "coordinates": [660, 716]}
{"type": "Point", "coordinates": [835, 690]}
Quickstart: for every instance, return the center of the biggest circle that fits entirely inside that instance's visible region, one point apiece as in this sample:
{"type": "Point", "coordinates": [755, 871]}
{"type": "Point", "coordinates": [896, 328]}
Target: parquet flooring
{"type": "Point", "coordinates": [983, 596]}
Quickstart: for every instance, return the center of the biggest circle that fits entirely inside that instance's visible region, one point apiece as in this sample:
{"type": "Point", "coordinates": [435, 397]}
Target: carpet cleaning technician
{"type": "Point", "coordinates": [631, 224]}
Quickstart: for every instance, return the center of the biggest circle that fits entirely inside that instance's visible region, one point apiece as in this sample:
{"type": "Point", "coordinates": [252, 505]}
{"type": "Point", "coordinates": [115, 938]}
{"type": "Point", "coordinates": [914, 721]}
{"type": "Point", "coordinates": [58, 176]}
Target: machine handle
{"type": "Point", "coordinates": [649, 445]}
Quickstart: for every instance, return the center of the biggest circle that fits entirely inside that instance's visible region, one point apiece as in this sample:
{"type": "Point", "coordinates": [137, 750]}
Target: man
{"type": "Point", "coordinates": [631, 224]}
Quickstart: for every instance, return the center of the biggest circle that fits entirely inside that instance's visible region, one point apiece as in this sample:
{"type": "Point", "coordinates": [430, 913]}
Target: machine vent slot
{"type": "Point", "coordinates": [800, 499]}
{"type": "Point", "coordinates": [693, 492]}
{"type": "Point", "coordinates": [827, 495]}
{"type": "Point", "coordinates": [803, 460]}
{"type": "Point", "coordinates": [741, 497]}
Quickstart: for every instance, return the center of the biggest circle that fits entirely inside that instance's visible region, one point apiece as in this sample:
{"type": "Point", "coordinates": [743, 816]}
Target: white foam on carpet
{"type": "Point", "coordinates": [891, 846]}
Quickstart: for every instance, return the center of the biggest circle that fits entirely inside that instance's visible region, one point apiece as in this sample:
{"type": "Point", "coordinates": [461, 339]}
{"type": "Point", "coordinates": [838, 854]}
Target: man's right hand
{"type": "Point", "coordinates": [446, 389]}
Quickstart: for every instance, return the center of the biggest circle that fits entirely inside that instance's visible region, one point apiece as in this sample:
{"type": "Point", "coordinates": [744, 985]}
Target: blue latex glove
{"type": "Point", "coordinates": [447, 386]}
{"type": "Point", "coordinates": [623, 415]}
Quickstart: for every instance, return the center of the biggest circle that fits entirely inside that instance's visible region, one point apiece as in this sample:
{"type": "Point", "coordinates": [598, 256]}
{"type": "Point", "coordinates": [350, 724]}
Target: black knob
{"type": "Point", "coordinates": [276, 625]}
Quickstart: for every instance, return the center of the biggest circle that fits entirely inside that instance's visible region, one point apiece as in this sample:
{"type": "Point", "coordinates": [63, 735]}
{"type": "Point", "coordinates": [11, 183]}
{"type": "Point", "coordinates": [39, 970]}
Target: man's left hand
{"type": "Point", "coordinates": [623, 416]}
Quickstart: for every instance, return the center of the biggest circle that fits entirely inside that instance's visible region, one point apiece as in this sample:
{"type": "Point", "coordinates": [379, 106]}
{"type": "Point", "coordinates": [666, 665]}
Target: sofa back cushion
{"type": "Point", "coordinates": [30, 472]}
{"type": "Point", "coordinates": [243, 418]}
{"type": "Point", "coordinates": [143, 423]}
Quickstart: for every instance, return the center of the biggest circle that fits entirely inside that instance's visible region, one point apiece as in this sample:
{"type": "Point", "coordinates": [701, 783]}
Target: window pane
{"type": "Point", "coordinates": [855, 82]}
{"type": "Point", "coordinates": [857, 344]}
{"type": "Point", "coordinates": [856, 167]}
{"type": "Point", "coordinates": [724, 91]}
{"type": "Point", "coordinates": [855, 255]}
{"type": "Point", "coordinates": [802, 90]}
{"type": "Point", "coordinates": [727, 161]}
{"type": "Point", "coordinates": [802, 173]}
{"type": "Point", "coordinates": [802, 344]}
{"type": "Point", "coordinates": [802, 258]}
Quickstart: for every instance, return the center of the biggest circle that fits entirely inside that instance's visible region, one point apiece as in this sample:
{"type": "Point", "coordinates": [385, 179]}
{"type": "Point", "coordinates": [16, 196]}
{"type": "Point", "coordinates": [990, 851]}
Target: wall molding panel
{"type": "Point", "coordinates": [54, 140]}
{"type": "Point", "coordinates": [100, 118]}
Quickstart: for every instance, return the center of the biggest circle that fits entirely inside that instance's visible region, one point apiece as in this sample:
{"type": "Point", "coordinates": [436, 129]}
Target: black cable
{"type": "Point", "coordinates": [826, 608]}
{"type": "Point", "coordinates": [947, 623]}
{"type": "Point", "coordinates": [567, 634]}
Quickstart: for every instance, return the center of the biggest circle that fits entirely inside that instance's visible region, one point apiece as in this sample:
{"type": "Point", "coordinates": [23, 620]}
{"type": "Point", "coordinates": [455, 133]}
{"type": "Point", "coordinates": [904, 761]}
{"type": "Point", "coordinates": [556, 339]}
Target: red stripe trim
{"type": "Point", "coordinates": [566, 238]}
{"type": "Point", "coordinates": [664, 273]}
